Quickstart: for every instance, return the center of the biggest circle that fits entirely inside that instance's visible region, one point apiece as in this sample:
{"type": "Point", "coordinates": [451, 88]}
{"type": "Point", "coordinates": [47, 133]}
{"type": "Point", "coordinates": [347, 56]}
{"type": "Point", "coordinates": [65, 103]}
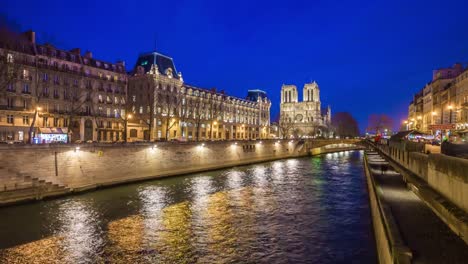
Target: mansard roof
{"type": "Point", "coordinates": [146, 60]}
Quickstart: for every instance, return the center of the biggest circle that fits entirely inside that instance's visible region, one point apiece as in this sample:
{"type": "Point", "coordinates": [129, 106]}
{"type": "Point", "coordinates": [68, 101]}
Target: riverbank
{"type": "Point", "coordinates": [35, 173]}
{"type": "Point", "coordinates": [285, 211]}
{"type": "Point", "coordinates": [403, 222]}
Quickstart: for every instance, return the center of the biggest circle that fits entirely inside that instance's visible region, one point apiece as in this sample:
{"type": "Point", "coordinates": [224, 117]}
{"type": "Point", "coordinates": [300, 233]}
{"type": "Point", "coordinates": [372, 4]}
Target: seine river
{"type": "Point", "coordinates": [305, 210]}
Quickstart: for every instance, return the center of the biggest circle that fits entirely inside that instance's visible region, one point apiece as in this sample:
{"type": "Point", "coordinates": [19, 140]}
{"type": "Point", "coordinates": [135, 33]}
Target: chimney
{"type": "Point", "coordinates": [88, 54]}
{"type": "Point", "coordinates": [76, 51]}
{"type": "Point", "coordinates": [31, 36]}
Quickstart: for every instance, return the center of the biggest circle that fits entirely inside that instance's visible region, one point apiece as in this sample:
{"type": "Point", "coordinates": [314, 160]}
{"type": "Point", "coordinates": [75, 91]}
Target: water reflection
{"type": "Point", "coordinates": [297, 210]}
{"type": "Point", "coordinates": [80, 231]}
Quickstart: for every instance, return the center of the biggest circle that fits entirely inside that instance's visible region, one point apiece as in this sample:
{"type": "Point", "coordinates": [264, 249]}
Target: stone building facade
{"type": "Point", "coordinates": [56, 95]}
{"type": "Point", "coordinates": [166, 108]}
{"type": "Point", "coordinates": [439, 107]}
{"type": "Point", "coordinates": [50, 95]}
{"type": "Point", "coordinates": [306, 118]}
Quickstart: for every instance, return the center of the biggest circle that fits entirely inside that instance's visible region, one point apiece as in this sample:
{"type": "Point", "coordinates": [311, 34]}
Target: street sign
{"type": "Point", "coordinates": [442, 126]}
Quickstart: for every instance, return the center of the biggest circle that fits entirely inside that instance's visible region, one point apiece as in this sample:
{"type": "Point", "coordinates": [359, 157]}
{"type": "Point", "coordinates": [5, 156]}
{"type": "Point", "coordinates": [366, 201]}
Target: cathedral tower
{"type": "Point", "coordinates": [288, 94]}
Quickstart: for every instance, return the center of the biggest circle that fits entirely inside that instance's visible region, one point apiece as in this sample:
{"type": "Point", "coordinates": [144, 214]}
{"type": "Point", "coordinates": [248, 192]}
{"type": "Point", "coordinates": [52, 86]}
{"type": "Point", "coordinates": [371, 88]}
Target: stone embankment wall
{"type": "Point", "coordinates": [86, 166]}
{"type": "Point", "coordinates": [447, 175]}
{"type": "Point", "coordinates": [38, 171]}
{"type": "Point", "coordinates": [441, 181]}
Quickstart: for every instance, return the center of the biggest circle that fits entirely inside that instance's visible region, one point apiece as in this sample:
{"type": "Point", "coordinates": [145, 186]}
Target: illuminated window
{"type": "Point", "coordinates": [10, 58]}
{"type": "Point", "coordinates": [10, 119]}
{"type": "Point", "coordinates": [25, 120]}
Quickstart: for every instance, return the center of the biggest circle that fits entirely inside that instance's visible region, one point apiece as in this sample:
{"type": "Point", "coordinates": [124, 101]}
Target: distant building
{"type": "Point", "coordinates": [164, 107]}
{"type": "Point", "coordinates": [254, 95]}
{"type": "Point", "coordinates": [306, 118]}
{"type": "Point", "coordinates": [58, 95]}
{"type": "Point", "coordinates": [440, 107]}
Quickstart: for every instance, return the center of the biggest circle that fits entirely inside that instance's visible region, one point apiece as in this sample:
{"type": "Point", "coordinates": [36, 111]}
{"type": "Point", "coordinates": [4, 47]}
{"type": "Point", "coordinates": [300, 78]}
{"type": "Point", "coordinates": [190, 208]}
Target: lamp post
{"type": "Point", "coordinates": [450, 118]}
{"type": "Point", "coordinates": [33, 124]}
{"type": "Point", "coordinates": [406, 123]}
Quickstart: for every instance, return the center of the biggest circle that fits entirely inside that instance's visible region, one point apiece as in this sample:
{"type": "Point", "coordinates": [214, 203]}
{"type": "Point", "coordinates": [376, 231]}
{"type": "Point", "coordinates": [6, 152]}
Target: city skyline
{"type": "Point", "coordinates": [354, 53]}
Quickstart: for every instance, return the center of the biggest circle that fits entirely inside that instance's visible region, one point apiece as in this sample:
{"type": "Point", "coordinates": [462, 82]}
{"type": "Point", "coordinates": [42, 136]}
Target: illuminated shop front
{"type": "Point", "coordinates": [51, 135]}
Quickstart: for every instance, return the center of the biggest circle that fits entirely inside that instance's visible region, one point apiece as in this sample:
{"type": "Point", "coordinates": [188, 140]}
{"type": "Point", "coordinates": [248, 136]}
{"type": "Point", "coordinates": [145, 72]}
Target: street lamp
{"type": "Point", "coordinates": [450, 108]}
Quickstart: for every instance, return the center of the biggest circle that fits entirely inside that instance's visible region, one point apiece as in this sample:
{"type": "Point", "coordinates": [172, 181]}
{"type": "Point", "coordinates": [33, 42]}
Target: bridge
{"type": "Point", "coordinates": [321, 146]}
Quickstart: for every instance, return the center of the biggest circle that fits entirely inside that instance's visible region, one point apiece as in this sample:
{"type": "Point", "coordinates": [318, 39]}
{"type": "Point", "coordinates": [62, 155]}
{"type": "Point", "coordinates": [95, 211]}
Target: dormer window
{"type": "Point", "coordinates": [53, 53]}
{"type": "Point", "coordinates": [105, 65]}
{"type": "Point", "coordinates": [72, 58]}
{"type": "Point", "coordinates": [169, 72]}
{"type": "Point", "coordinates": [98, 64]}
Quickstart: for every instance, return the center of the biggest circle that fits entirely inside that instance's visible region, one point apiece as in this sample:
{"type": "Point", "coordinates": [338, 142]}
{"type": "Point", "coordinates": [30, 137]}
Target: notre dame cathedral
{"type": "Point", "coordinates": [306, 118]}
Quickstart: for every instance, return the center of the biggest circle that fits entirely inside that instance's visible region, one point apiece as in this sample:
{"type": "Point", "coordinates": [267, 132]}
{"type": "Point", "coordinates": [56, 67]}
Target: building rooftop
{"type": "Point", "coordinates": [164, 63]}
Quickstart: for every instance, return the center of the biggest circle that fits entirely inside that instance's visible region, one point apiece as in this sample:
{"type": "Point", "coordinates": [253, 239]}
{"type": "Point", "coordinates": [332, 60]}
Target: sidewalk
{"type": "Point", "coordinates": [429, 238]}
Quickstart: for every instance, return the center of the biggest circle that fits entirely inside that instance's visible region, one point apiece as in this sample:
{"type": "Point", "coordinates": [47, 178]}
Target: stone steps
{"type": "Point", "coordinates": [15, 187]}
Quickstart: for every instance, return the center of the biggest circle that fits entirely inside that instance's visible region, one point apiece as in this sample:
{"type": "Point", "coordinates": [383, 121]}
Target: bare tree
{"type": "Point", "coordinates": [186, 113]}
{"type": "Point", "coordinates": [169, 103]}
{"type": "Point", "coordinates": [285, 125]}
{"type": "Point", "coordinates": [215, 110]}
{"type": "Point", "coordinates": [147, 115]}
{"type": "Point", "coordinates": [379, 122]}
{"type": "Point", "coordinates": [199, 111]}
{"type": "Point", "coordinates": [345, 125]}
{"type": "Point", "coordinates": [11, 61]}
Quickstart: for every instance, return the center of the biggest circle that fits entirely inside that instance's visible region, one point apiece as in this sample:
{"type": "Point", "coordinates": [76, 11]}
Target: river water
{"type": "Point", "coordinates": [304, 210]}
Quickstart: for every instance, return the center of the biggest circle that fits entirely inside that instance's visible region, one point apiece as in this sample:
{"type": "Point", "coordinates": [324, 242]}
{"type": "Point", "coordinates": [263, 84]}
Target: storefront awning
{"type": "Point", "coordinates": [53, 130]}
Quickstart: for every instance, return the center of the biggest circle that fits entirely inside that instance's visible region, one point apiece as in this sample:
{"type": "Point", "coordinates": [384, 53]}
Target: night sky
{"type": "Point", "coordinates": [366, 57]}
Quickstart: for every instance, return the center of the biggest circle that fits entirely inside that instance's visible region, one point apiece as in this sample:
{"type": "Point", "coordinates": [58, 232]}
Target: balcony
{"type": "Point", "coordinates": [56, 96]}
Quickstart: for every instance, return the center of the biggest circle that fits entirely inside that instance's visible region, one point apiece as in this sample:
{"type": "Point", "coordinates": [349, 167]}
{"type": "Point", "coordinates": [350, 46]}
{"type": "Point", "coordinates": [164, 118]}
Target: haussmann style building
{"type": "Point", "coordinates": [440, 107]}
{"type": "Point", "coordinates": [164, 107]}
{"type": "Point", "coordinates": [49, 95]}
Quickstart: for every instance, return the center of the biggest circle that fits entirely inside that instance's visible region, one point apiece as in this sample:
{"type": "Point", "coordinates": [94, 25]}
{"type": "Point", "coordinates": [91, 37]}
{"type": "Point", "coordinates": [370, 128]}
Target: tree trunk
{"type": "Point", "coordinates": [31, 128]}
{"type": "Point", "coordinates": [125, 130]}
{"type": "Point", "coordinates": [167, 129]}
{"type": "Point", "coordinates": [211, 131]}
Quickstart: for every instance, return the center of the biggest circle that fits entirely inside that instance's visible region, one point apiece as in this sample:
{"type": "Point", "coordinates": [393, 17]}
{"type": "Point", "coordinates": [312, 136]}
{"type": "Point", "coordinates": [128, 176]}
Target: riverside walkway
{"type": "Point", "coordinates": [428, 238]}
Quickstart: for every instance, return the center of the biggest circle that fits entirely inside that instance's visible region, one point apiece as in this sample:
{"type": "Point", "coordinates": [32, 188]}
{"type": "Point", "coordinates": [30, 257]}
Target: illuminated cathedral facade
{"type": "Point", "coordinates": [304, 118]}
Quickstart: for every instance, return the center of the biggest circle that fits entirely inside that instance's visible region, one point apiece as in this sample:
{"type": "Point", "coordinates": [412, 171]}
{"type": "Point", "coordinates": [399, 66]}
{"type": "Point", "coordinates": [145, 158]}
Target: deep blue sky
{"type": "Point", "coordinates": [367, 57]}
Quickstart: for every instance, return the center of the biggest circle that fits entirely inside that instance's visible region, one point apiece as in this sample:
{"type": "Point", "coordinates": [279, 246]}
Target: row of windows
{"type": "Point", "coordinates": [10, 119]}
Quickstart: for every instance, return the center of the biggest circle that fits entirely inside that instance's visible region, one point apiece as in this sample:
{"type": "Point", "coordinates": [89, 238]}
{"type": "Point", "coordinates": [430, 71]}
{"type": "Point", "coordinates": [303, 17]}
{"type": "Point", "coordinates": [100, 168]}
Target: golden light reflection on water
{"type": "Point", "coordinates": [46, 250]}
{"type": "Point", "coordinates": [219, 235]}
{"type": "Point", "coordinates": [76, 241]}
{"type": "Point", "coordinates": [269, 214]}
